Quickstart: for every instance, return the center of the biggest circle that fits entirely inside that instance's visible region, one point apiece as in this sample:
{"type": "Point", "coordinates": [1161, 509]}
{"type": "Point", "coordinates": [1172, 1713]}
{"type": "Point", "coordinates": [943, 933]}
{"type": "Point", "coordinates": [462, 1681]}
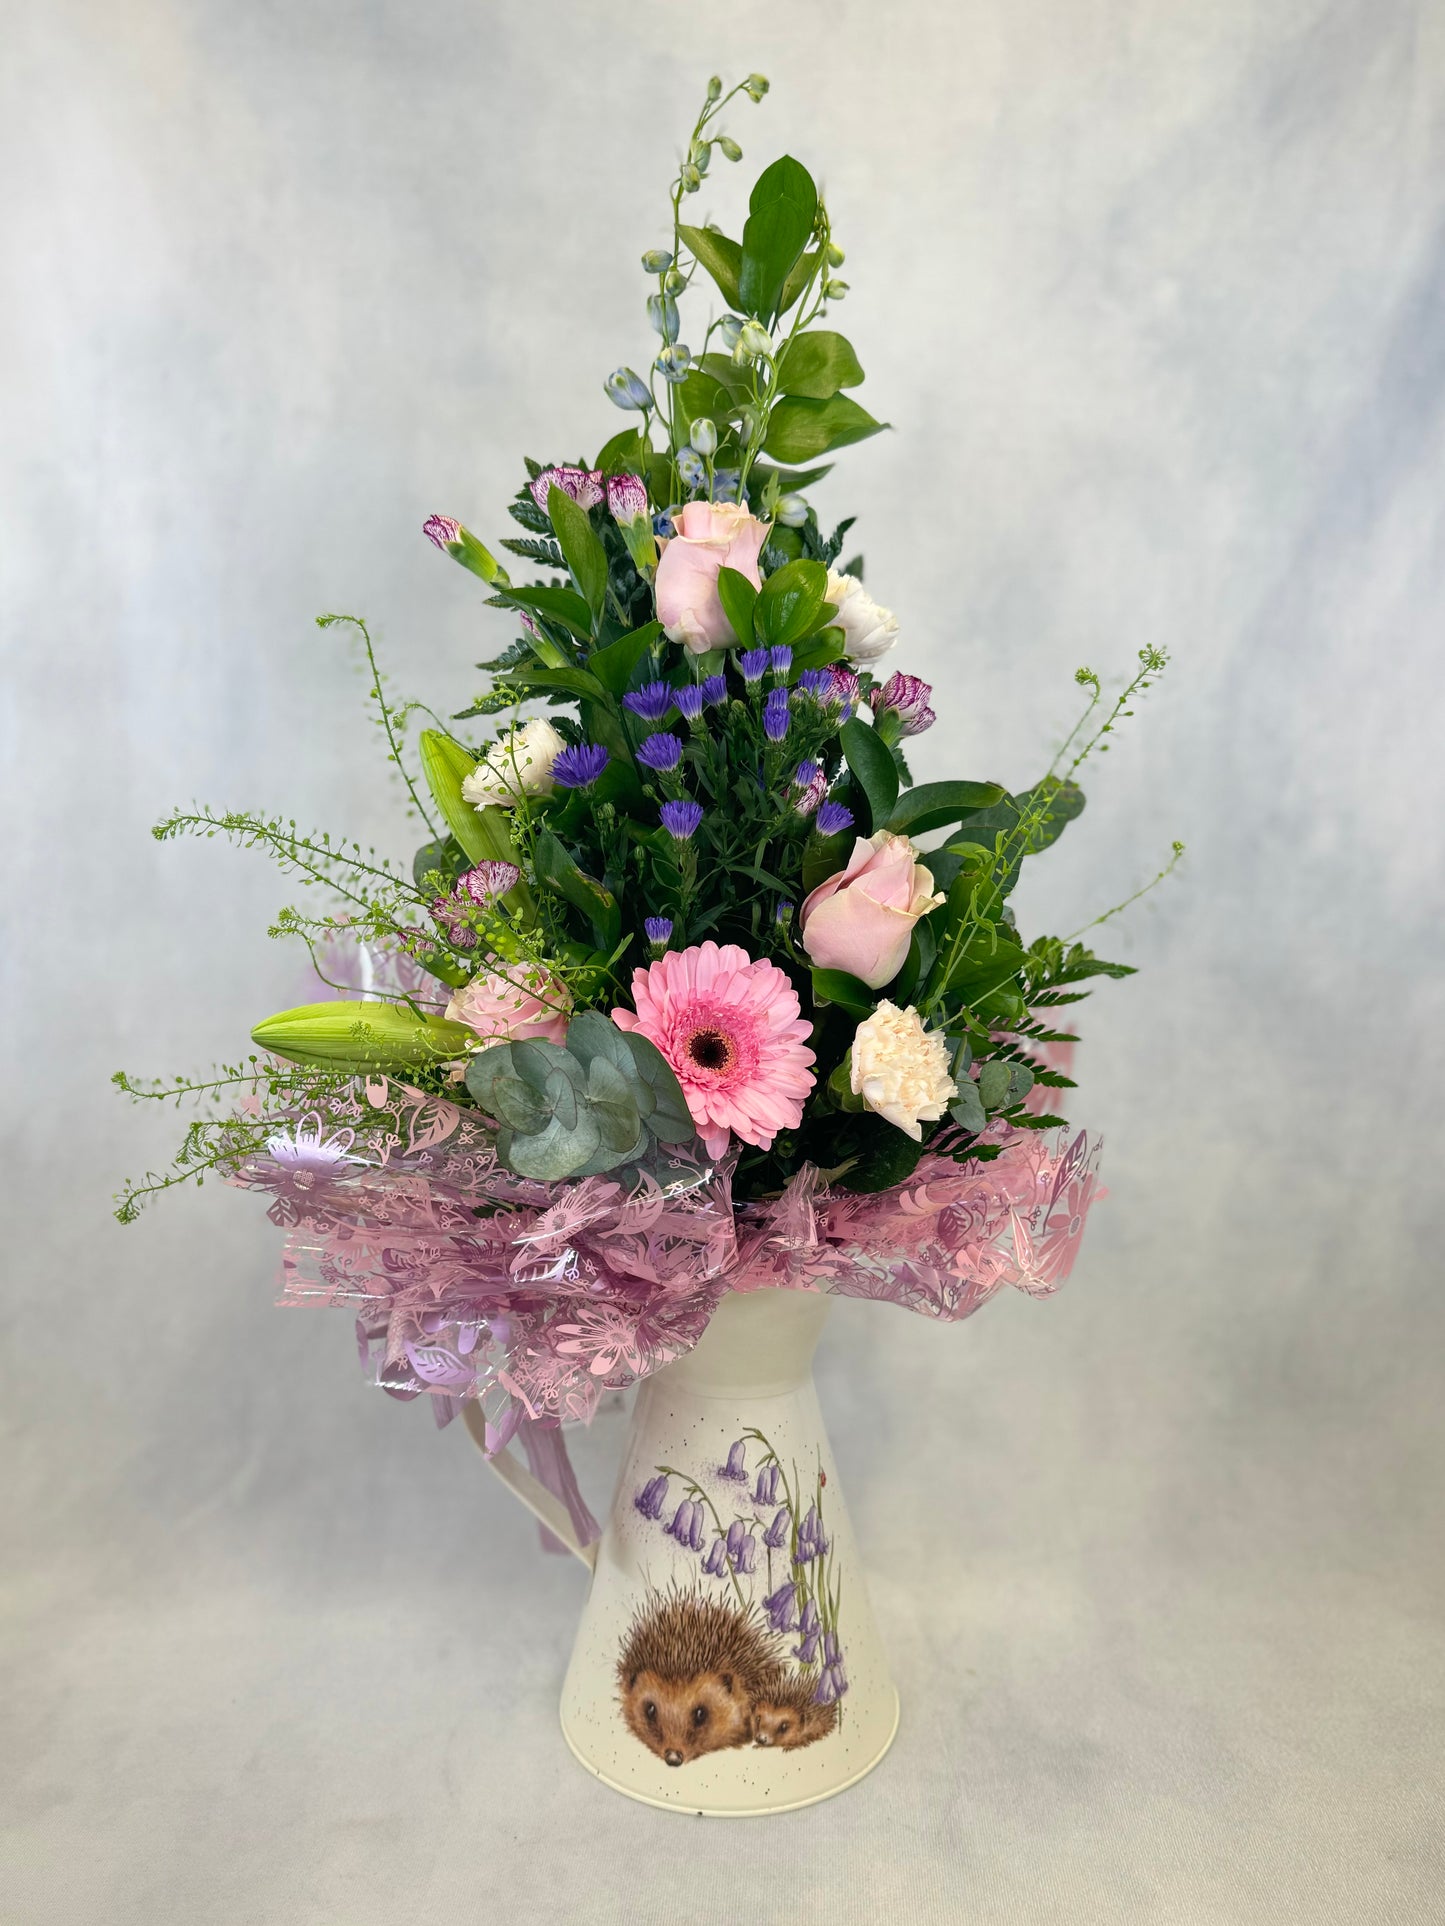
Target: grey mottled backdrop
{"type": "Point", "coordinates": [1153, 293]}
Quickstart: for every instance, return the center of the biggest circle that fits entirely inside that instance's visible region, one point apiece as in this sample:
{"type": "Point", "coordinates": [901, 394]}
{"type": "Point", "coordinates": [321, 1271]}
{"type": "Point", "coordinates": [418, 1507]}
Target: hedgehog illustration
{"type": "Point", "coordinates": [689, 1673]}
{"type": "Point", "coordinates": [785, 1712]}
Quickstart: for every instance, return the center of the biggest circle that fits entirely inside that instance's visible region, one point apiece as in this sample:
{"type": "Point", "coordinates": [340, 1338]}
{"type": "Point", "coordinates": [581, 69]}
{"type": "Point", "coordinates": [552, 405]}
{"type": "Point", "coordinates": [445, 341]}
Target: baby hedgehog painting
{"type": "Point", "coordinates": [698, 1675]}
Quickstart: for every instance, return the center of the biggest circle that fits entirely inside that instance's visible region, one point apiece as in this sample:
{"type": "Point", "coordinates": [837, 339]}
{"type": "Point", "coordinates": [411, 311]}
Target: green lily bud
{"type": "Point", "coordinates": [385, 1037]}
{"type": "Point", "coordinates": [463, 547]}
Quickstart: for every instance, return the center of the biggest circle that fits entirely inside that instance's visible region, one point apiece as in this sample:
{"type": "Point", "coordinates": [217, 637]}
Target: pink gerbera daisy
{"type": "Point", "coordinates": [733, 1033]}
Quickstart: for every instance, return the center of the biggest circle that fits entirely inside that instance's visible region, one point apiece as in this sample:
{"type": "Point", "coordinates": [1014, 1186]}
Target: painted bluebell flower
{"type": "Point", "coordinates": [742, 1547]}
{"type": "Point", "coordinates": [834, 818]}
{"type": "Point", "coordinates": [776, 1535]}
{"type": "Point", "coordinates": [689, 700]}
{"type": "Point", "coordinates": [753, 663]}
{"type": "Point", "coordinates": [782, 1608]}
{"type": "Point", "coordinates": [652, 1497]}
{"type": "Point", "coordinates": [810, 1632]}
{"type": "Point", "coordinates": [579, 768]}
{"type": "Point", "coordinates": [660, 752]}
{"type": "Point", "coordinates": [714, 690]}
{"type": "Point", "coordinates": [716, 1562]}
{"type": "Point", "coordinates": [652, 701]}
{"type": "Point", "coordinates": [811, 1542]}
{"type": "Point", "coordinates": [680, 819]}
{"type": "Point", "coordinates": [832, 1684]}
{"type": "Point", "coordinates": [766, 1490]}
{"type": "Point", "coordinates": [775, 715]}
{"type": "Point", "coordinates": [735, 1468]}
{"type": "Point", "coordinates": [687, 1525]}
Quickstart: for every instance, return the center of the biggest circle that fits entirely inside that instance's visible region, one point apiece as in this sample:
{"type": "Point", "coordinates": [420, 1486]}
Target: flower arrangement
{"type": "Point", "coordinates": [673, 997]}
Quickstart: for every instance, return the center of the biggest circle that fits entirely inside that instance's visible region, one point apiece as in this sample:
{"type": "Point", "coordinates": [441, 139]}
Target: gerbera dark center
{"type": "Point", "coordinates": [711, 1049]}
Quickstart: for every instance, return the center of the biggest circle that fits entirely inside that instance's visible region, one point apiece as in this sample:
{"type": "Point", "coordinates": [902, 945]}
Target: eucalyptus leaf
{"type": "Point", "coordinates": [966, 1109]}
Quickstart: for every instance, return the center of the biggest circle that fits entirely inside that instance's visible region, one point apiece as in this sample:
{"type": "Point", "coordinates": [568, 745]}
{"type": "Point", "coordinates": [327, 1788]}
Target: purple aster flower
{"type": "Point", "coordinates": [783, 914]}
{"type": "Point", "coordinates": [652, 701]}
{"type": "Point", "coordinates": [782, 1608]}
{"type": "Point", "coordinates": [652, 1497]}
{"type": "Point", "coordinates": [716, 1562]}
{"type": "Point", "coordinates": [775, 715]}
{"type": "Point", "coordinates": [584, 485]}
{"type": "Point", "coordinates": [834, 818]}
{"type": "Point", "coordinates": [687, 1525]}
{"type": "Point", "coordinates": [780, 658]}
{"type": "Point", "coordinates": [715, 690]}
{"type": "Point", "coordinates": [579, 768]}
{"type": "Point", "coordinates": [753, 663]}
{"type": "Point", "coordinates": [735, 1468]}
{"type": "Point", "coordinates": [766, 1492]}
{"type": "Point", "coordinates": [442, 530]}
{"type": "Point", "coordinates": [907, 698]}
{"type": "Point", "coordinates": [742, 1548]}
{"type": "Point", "coordinates": [689, 700]}
{"type": "Point", "coordinates": [810, 1629]}
{"type": "Point", "coordinates": [776, 1535]}
{"type": "Point", "coordinates": [659, 932]}
{"type": "Point", "coordinates": [811, 786]}
{"type": "Point", "coordinates": [816, 683]}
{"type": "Point", "coordinates": [659, 752]}
{"type": "Point", "coordinates": [679, 819]}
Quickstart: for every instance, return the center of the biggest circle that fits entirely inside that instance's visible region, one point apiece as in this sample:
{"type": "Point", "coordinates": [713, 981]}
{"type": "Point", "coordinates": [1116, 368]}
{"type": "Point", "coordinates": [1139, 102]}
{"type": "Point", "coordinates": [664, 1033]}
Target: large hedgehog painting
{"type": "Point", "coordinates": [699, 1675]}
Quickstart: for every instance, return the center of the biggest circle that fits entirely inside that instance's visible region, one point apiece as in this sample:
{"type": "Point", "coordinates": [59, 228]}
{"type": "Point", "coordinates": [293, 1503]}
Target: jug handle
{"type": "Point", "coordinates": [546, 1509]}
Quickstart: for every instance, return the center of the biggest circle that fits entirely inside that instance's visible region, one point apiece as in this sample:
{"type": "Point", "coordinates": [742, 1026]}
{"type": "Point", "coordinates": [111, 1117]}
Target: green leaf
{"type": "Point", "coordinates": [890, 1155]}
{"type": "Point", "coordinates": [836, 986]}
{"type": "Point", "coordinates": [578, 682]}
{"type": "Point", "coordinates": [817, 364]}
{"type": "Point", "coordinates": [739, 598]}
{"type": "Point", "coordinates": [725, 371]}
{"type": "Point", "coordinates": [561, 605]}
{"type": "Point", "coordinates": [791, 481]}
{"type": "Point", "coordinates": [781, 211]}
{"type": "Point", "coordinates": [1064, 801]}
{"type": "Point", "coordinates": [582, 545]}
{"type": "Point", "coordinates": [824, 856]}
{"type": "Point", "coordinates": [922, 950]}
{"type": "Point", "coordinates": [389, 1038]}
{"type": "Point", "coordinates": [790, 602]}
{"type": "Point", "coordinates": [700, 394]}
{"type": "Point", "coordinates": [871, 763]}
{"type": "Point", "coordinates": [799, 278]}
{"type": "Point", "coordinates": [818, 651]}
{"type": "Point", "coordinates": [556, 870]}
{"type": "Point", "coordinates": [988, 963]}
{"type": "Point", "coordinates": [721, 257]}
{"type": "Point", "coordinates": [616, 666]}
{"type": "Point", "coordinates": [966, 1110]}
{"type": "Point", "coordinates": [932, 804]}
{"type": "Point", "coordinates": [625, 454]}
{"type": "Point", "coordinates": [670, 1120]}
{"type": "Point", "coordinates": [801, 430]}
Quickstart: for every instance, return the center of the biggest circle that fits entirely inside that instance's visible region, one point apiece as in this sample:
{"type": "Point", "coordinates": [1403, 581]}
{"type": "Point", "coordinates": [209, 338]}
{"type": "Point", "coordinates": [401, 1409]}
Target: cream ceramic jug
{"type": "Point", "coordinates": [727, 1662]}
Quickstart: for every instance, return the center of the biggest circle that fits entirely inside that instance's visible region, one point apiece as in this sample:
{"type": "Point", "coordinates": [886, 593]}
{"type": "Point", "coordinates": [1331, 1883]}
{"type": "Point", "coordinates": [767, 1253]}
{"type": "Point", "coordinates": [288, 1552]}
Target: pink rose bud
{"type": "Point", "coordinates": [710, 536]}
{"type": "Point", "coordinates": [906, 698]}
{"type": "Point", "coordinates": [511, 1002]}
{"type": "Point", "coordinates": [861, 920]}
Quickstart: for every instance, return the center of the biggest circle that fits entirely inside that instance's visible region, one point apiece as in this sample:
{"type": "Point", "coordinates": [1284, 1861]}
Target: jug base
{"type": "Point", "coordinates": [760, 1810]}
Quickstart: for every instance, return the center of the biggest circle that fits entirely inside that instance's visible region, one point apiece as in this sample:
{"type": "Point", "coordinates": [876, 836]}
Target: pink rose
{"type": "Point", "coordinates": [513, 1002]}
{"type": "Point", "coordinates": [710, 536]}
{"type": "Point", "coordinates": [861, 920]}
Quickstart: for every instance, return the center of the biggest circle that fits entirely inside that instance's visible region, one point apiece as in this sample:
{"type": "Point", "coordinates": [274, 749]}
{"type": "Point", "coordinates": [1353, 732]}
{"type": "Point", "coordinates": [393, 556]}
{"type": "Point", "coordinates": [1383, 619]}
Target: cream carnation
{"type": "Point", "coordinates": [518, 763]}
{"type": "Point", "coordinates": [869, 630]}
{"type": "Point", "coordinates": [901, 1070]}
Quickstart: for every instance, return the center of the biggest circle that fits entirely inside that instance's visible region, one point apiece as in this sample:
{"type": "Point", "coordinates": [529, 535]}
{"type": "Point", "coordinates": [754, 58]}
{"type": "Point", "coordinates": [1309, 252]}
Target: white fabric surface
{"type": "Point", "coordinates": [1154, 296]}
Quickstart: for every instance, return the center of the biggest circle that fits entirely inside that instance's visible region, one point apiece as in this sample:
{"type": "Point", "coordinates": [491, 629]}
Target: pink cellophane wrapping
{"type": "Point", "coordinates": [470, 1283]}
